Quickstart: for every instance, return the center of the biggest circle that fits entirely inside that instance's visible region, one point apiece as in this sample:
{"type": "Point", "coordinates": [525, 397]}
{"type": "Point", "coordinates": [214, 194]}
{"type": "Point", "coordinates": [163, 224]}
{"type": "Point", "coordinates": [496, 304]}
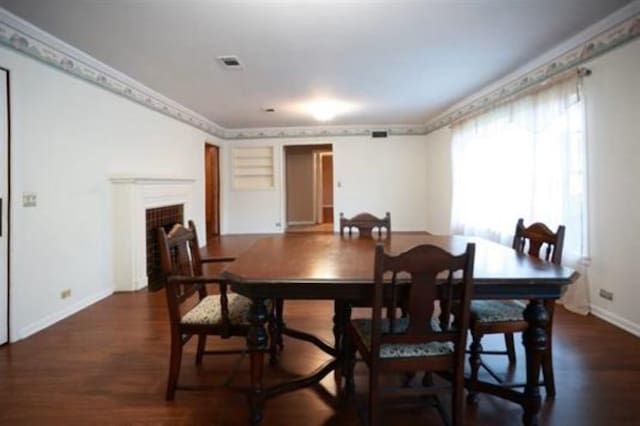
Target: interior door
{"type": "Point", "coordinates": [4, 144]}
{"type": "Point", "coordinates": [212, 189]}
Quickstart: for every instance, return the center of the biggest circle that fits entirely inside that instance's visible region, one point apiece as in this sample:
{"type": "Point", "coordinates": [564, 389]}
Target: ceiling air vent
{"type": "Point", "coordinates": [379, 133]}
{"type": "Point", "coordinates": [230, 62]}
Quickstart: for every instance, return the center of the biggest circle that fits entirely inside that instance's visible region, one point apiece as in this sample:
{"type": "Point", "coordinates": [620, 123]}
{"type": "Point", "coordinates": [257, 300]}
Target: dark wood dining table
{"type": "Point", "coordinates": [340, 268]}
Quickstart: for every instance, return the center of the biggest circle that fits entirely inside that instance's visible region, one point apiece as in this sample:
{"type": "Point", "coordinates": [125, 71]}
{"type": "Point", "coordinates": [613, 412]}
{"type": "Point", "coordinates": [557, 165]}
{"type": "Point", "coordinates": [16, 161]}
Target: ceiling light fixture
{"type": "Point", "coordinates": [327, 109]}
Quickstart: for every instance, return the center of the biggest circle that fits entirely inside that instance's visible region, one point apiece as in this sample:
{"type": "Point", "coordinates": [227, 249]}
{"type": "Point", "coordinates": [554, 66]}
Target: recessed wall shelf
{"type": "Point", "coordinates": [252, 168]}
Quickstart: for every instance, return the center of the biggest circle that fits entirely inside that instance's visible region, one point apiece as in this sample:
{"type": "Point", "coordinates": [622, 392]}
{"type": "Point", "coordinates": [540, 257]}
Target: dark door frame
{"type": "Point", "coordinates": [209, 202]}
{"type": "Point", "coordinates": [8, 202]}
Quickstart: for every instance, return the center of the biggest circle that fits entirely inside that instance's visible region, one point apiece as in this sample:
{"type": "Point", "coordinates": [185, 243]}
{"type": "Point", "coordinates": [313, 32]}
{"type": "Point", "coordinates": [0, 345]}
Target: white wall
{"type": "Point", "coordinates": [439, 181]}
{"type": "Point", "coordinates": [612, 96]}
{"type": "Point", "coordinates": [68, 138]}
{"type": "Point", "coordinates": [374, 175]}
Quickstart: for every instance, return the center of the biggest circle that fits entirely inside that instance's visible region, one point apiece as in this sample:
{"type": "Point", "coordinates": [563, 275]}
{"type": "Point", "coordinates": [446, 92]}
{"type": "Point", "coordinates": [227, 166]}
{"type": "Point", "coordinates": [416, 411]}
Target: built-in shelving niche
{"type": "Point", "coordinates": [253, 168]}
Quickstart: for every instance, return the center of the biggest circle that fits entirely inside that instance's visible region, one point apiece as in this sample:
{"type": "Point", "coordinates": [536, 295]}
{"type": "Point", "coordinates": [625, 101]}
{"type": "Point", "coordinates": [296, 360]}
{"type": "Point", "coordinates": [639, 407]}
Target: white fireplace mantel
{"type": "Point", "coordinates": [132, 196]}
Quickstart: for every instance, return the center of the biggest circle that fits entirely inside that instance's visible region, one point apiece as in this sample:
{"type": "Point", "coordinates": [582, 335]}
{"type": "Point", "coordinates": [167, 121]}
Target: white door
{"type": "Point", "coordinates": [4, 144]}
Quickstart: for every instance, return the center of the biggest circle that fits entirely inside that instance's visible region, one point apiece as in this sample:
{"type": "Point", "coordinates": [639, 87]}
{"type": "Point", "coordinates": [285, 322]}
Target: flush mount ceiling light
{"type": "Point", "coordinates": [326, 109]}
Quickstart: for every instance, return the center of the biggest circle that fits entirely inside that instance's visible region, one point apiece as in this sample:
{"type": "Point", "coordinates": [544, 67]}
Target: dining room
{"type": "Point", "coordinates": [493, 140]}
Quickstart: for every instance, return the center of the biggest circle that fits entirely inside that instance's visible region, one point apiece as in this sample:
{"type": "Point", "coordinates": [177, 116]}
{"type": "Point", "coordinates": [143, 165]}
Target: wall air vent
{"type": "Point", "coordinates": [230, 62]}
{"type": "Point", "coordinates": [379, 133]}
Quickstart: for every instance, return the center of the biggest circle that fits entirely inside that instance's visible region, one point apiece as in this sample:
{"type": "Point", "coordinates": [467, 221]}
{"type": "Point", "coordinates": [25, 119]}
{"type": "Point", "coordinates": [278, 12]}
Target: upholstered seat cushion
{"type": "Point", "coordinates": [208, 310]}
{"type": "Point", "coordinates": [392, 350]}
{"type": "Point", "coordinates": [497, 310]}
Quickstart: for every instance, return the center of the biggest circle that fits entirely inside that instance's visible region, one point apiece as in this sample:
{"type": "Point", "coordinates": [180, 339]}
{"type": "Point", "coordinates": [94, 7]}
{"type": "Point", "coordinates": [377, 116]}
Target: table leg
{"type": "Point", "coordinates": [257, 341]}
{"type": "Point", "coordinates": [338, 323]}
{"type": "Point", "coordinates": [341, 316]}
{"type": "Point", "coordinates": [535, 341]}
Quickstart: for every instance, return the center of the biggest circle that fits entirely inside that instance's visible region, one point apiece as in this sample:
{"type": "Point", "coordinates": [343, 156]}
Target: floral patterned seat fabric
{"type": "Point", "coordinates": [497, 310]}
{"type": "Point", "coordinates": [392, 350]}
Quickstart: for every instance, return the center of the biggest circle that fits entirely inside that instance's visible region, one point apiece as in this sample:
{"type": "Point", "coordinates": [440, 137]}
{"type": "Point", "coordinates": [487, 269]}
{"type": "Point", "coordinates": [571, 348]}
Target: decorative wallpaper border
{"type": "Point", "coordinates": [19, 35]}
{"type": "Point", "coordinates": [23, 37]}
{"type": "Point", "coordinates": [595, 46]}
{"type": "Point", "coordinates": [328, 131]}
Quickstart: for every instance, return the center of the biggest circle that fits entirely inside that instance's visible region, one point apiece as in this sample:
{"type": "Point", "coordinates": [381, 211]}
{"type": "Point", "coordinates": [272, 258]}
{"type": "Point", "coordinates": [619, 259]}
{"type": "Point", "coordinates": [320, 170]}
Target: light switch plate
{"type": "Point", "coordinates": [29, 199]}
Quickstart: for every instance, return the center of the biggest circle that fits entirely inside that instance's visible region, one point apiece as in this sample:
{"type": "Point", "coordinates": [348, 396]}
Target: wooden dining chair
{"type": "Point", "coordinates": [365, 223]}
{"type": "Point", "coordinates": [416, 342]}
{"type": "Point", "coordinates": [506, 316]}
{"type": "Point", "coordinates": [192, 310]}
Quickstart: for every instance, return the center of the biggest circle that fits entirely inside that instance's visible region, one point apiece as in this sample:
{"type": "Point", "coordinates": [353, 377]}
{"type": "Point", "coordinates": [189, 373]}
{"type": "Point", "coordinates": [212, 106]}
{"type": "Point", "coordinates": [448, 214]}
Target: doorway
{"type": "Point", "coordinates": [212, 190]}
{"type": "Point", "coordinates": [5, 134]}
{"type": "Point", "coordinates": [309, 188]}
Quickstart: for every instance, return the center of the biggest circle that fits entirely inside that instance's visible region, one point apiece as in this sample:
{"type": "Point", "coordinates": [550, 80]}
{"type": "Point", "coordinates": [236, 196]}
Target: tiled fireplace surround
{"type": "Point", "coordinates": [132, 197]}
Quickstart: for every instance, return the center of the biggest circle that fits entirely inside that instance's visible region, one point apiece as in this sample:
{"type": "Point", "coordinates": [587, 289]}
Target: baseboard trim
{"type": "Point", "coordinates": [616, 320]}
{"type": "Point", "coordinates": [51, 319]}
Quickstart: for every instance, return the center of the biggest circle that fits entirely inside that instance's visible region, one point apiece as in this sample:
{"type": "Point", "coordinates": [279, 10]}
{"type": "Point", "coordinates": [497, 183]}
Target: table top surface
{"type": "Point", "coordinates": [317, 258]}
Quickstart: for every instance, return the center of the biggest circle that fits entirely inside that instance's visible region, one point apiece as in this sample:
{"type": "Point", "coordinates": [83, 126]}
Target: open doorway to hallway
{"type": "Point", "coordinates": [309, 188]}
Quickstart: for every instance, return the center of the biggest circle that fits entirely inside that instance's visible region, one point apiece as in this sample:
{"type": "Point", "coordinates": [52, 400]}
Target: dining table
{"type": "Point", "coordinates": [340, 268]}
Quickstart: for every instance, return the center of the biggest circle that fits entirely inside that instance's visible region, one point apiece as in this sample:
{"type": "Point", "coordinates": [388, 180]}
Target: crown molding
{"type": "Point", "coordinates": [24, 37]}
{"type": "Point", "coordinates": [607, 34]}
{"type": "Point", "coordinates": [322, 131]}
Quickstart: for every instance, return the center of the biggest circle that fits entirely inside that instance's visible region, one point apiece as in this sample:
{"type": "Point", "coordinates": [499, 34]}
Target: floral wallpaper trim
{"type": "Point", "coordinates": [33, 47]}
{"type": "Point", "coordinates": [596, 46]}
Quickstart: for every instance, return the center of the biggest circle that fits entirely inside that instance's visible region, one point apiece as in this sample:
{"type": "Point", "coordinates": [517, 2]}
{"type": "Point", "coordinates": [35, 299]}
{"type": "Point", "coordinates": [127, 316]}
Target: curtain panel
{"type": "Point", "coordinates": [526, 158]}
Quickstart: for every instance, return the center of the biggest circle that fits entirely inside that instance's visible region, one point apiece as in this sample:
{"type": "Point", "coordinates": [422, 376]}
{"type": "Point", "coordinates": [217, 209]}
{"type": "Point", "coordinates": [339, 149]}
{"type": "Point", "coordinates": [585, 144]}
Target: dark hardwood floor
{"type": "Point", "coordinates": [108, 365]}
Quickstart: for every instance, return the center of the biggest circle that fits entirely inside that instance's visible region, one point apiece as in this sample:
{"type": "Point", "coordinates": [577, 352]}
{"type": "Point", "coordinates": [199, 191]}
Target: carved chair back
{"type": "Point", "coordinates": [539, 241]}
{"type": "Point", "coordinates": [365, 223]}
{"type": "Point", "coordinates": [434, 275]}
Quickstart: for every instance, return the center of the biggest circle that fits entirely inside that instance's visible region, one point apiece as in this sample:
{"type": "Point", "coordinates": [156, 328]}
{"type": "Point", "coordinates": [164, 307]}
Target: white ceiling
{"type": "Point", "coordinates": [400, 62]}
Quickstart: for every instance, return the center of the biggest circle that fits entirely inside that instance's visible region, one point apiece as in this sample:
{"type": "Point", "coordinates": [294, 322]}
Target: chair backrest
{"type": "Point", "coordinates": [539, 241]}
{"type": "Point", "coordinates": [180, 259]}
{"type": "Point", "coordinates": [430, 272]}
{"type": "Point", "coordinates": [365, 223]}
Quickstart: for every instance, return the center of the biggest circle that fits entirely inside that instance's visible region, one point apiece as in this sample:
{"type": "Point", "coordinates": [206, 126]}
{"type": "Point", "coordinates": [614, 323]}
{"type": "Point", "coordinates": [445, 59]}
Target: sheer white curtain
{"type": "Point", "coordinates": [526, 158]}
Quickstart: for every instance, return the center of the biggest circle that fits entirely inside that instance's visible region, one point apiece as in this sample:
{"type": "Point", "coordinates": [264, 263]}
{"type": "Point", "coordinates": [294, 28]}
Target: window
{"type": "Point", "coordinates": [523, 159]}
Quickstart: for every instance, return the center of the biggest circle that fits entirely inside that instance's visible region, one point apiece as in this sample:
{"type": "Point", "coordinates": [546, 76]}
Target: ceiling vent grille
{"type": "Point", "coordinates": [379, 133]}
{"type": "Point", "coordinates": [230, 62]}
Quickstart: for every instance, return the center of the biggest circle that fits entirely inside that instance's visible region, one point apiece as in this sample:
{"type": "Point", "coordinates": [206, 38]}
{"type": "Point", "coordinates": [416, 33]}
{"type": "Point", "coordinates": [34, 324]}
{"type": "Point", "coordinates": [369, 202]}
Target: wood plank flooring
{"type": "Point", "coordinates": [107, 365]}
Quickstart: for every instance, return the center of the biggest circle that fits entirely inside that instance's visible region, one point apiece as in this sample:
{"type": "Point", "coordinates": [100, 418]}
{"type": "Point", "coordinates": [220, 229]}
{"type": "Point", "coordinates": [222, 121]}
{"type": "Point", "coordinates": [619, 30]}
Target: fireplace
{"type": "Point", "coordinates": [137, 203]}
{"type": "Point", "coordinates": [166, 217]}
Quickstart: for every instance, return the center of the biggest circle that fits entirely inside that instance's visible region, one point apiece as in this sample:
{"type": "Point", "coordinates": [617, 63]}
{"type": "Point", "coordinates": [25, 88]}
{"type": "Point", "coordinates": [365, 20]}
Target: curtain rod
{"type": "Point", "coordinates": [580, 72]}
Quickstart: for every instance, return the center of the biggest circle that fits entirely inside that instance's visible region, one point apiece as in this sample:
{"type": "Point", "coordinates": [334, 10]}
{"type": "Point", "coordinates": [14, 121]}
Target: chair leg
{"type": "Point", "coordinates": [202, 342]}
{"type": "Point", "coordinates": [511, 349]}
{"type": "Point", "coordinates": [547, 371]}
{"type": "Point", "coordinates": [474, 361]}
{"type": "Point", "coordinates": [457, 395]}
{"type": "Point", "coordinates": [373, 398]}
{"type": "Point", "coordinates": [174, 367]}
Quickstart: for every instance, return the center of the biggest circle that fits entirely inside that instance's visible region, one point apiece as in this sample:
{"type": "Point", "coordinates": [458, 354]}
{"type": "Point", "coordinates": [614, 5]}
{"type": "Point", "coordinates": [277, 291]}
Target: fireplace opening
{"type": "Point", "coordinates": [166, 217]}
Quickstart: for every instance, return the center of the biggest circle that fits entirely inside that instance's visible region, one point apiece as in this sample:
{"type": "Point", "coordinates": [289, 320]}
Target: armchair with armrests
{"type": "Point", "coordinates": [192, 309]}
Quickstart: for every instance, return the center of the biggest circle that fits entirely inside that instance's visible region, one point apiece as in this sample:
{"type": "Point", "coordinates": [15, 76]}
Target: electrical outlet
{"type": "Point", "coordinates": [29, 199]}
{"type": "Point", "coordinates": [65, 293]}
{"type": "Point", "coordinates": [278, 224]}
{"type": "Point", "coordinates": [608, 295]}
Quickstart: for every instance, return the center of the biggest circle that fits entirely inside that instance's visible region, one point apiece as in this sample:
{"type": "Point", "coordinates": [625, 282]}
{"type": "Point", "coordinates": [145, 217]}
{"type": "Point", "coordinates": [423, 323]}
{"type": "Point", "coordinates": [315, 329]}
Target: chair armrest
{"type": "Point", "coordinates": [185, 279]}
{"type": "Point", "coordinates": [217, 259]}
